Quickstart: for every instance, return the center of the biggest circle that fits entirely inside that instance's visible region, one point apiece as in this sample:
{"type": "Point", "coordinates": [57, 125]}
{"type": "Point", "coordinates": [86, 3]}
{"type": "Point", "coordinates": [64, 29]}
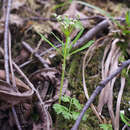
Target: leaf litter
{"type": "Point", "coordinates": [47, 80]}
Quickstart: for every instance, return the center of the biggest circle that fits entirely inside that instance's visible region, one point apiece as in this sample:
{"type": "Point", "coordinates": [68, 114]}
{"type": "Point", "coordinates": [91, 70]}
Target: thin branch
{"type": "Point", "coordinates": [6, 56]}
{"type": "Point", "coordinates": [93, 32]}
{"type": "Point", "coordinates": [90, 34]}
{"type": "Point", "coordinates": [45, 64]}
{"type": "Point", "coordinates": [98, 90]}
{"type": "Point", "coordinates": [38, 18]}
{"type": "Point", "coordinates": [43, 53]}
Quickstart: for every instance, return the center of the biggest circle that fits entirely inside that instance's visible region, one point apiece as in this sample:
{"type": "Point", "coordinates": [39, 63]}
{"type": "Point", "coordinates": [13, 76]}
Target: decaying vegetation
{"type": "Point", "coordinates": [73, 48]}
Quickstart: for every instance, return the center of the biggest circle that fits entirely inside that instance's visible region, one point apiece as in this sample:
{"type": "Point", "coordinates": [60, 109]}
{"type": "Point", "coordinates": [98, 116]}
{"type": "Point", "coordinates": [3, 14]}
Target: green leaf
{"type": "Point", "coordinates": [126, 32]}
{"type": "Point", "coordinates": [75, 115]}
{"type": "Point", "coordinates": [78, 24]}
{"type": "Point", "coordinates": [83, 47]}
{"type": "Point", "coordinates": [45, 39]}
{"type": "Point", "coordinates": [61, 5]}
{"type": "Point", "coordinates": [125, 119]}
{"type": "Point", "coordinates": [128, 18]}
{"type": "Point", "coordinates": [57, 38]}
{"type": "Point", "coordinates": [67, 115]}
{"type": "Point", "coordinates": [106, 126]}
{"type": "Point", "coordinates": [66, 99]}
{"type": "Point", "coordinates": [78, 36]}
{"type": "Point", "coordinates": [76, 103]}
{"type": "Point", "coordinates": [85, 117]}
{"type": "Point", "coordinates": [59, 108]}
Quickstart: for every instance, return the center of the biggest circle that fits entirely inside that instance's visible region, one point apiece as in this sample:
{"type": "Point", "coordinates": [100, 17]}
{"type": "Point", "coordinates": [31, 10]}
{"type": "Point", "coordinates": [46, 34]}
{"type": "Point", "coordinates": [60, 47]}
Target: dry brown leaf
{"type": "Point", "coordinates": [42, 28]}
{"type": "Point", "coordinates": [19, 83]}
{"type": "Point", "coordinates": [16, 4]}
{"type": "Point", "coordinates": [8, 94]}
{"type": "Point", "coordinates": [109, 64]}
{"type": "Point", "coordinates": [15, 19]}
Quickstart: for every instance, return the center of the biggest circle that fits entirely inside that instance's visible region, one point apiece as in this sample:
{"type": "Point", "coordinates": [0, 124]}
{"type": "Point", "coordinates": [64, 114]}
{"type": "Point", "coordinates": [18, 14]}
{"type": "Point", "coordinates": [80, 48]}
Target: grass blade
{"type": "Point", "coordinates": [45, 39]}
{"type": "Point", "coordinates": [78, 36]}
{"type": "Point", "coordinates": [58, 39]}
{"type": "Point", "coordinates": [83, 47]}
{"type": "Point", "coordinates": [96, 8]}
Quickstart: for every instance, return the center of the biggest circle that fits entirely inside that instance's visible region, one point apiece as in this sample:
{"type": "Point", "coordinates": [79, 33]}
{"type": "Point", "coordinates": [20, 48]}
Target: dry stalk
{"type": "Point", "coordinates": [109, 64]}
{"type": "Point", "coordinates": [116, 127]}
{"type": "Point", "coordinates": [90, 52]}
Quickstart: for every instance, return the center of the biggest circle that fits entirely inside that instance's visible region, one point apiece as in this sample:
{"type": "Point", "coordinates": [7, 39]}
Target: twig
{"type": "Point", "coordinates": [91, 33]}
{"type": "Point", "coordinates": [98, 90]}
{"type": "Point", "coordinates": [6, 57]}
{"type": "Point", "coordinates": [125, 126]}
{"type": "Point", "coordinates": [38, 18]}
{"type": "Point", "coordinates": [45, 64]}
{"type": "Point", "coordinates": [43, 53]}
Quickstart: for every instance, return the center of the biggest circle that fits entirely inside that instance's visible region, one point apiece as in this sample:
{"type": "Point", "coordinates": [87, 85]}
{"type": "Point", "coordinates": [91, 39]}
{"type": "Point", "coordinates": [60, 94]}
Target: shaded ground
{"type": "Point", "coordinates": [37, 85]}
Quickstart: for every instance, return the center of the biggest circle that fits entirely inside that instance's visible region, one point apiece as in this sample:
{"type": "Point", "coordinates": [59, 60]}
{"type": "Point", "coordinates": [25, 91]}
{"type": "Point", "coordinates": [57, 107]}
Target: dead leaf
{"type": "Point", "coordinates": [16, 4]}
{"type": "Point", "coordinates": [8, 94]}
{"type": "Point", "coordinates": [15, 19]}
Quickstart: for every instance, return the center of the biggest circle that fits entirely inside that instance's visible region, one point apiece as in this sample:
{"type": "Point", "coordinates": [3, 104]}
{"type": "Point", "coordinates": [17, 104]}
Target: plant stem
{"type": "Point", "coordinates": [64, 66]}
{"type": "Point", "coordinates": [62, 79]}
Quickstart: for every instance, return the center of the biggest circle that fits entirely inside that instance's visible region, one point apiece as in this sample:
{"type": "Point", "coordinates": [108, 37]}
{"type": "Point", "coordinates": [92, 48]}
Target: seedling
{"type": "Point", "coordinates": [68, 25]}
{"type": "Point", "coordinates": [72, 111]}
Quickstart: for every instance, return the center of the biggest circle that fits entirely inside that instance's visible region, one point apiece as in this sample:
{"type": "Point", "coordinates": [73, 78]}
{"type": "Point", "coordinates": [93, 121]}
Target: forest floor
{"type": "Point", "coordinates": [64, 47]}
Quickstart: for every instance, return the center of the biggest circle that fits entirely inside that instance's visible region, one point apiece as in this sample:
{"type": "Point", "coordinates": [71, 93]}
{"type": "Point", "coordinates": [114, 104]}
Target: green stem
{"type": "Point", "coordinates": [62, 79]}
{"type": "Point", "coordinates": [64, 67]}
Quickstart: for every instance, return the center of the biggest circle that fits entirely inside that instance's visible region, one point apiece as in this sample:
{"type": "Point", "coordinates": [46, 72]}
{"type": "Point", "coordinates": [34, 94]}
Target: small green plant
{"type": "Point", "coordinates": [124, 34]}
{"type": "Point", "coordinates": [125, 119]}
{"type": "Point", "coordinates": [125, 29]}
{"type": "Point", "coordinates": [62, 4]}
{"type": "Point", "coordinates": [72, 111]}
{"type": "Point", "coordinates": [106, 126]}
{"type": "Point", "coordinates": [68, 25]}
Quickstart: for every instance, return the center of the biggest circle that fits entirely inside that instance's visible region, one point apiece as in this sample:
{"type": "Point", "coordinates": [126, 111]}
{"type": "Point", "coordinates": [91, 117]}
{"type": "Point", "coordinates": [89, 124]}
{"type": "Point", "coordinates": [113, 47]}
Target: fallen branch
{"type": "Point", "coordinates": [98, 90]}
{"type": "Point", "coordinates": [93, 32]}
